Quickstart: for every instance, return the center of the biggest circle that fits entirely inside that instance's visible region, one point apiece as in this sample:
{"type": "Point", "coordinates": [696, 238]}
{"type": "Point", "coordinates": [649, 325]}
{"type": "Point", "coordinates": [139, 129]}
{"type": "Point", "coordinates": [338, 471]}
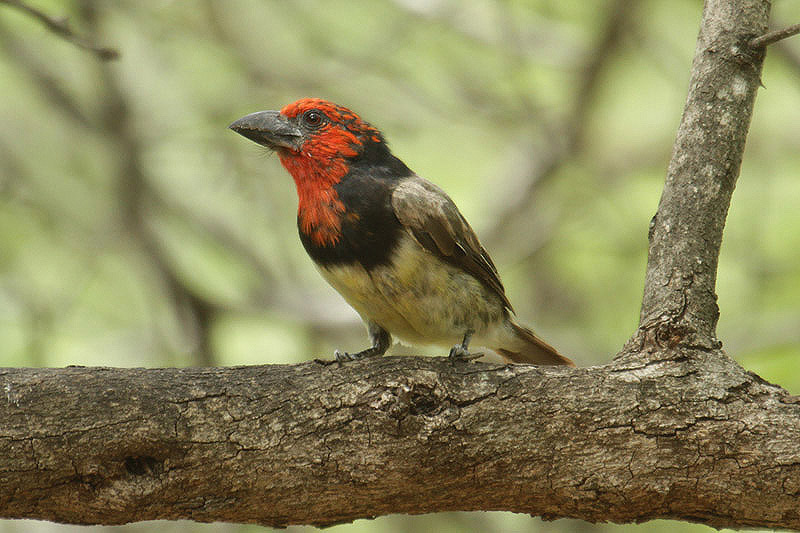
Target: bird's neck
{"type": "Point", "coordinates": [319, 209]}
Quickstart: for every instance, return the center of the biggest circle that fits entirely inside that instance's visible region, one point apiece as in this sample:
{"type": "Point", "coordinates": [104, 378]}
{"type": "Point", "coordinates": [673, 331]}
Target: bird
{"type": "Point", "coordinates": [392, 243]}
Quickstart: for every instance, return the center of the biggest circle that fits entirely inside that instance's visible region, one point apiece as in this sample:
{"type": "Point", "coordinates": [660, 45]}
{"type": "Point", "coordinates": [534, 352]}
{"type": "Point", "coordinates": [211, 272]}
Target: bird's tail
{"type": "Point", "coordinates": [526, 347]}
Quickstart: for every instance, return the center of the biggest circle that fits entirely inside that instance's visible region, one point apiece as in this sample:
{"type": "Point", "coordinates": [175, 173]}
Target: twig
{"type": "Point", "coordinates": [774, 36]}
{"type": "Point", "coordinates": [60, 27]}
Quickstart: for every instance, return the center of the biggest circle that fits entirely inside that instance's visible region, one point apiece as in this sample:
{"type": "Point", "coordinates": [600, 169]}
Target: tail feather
{"type": "Point", "coordinates": [528, 348]}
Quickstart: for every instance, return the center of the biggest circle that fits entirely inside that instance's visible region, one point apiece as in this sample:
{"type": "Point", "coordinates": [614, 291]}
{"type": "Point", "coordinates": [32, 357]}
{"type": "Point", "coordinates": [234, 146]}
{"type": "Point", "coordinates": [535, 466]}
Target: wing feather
{"type": "Point", "coordinates": [440, 228]}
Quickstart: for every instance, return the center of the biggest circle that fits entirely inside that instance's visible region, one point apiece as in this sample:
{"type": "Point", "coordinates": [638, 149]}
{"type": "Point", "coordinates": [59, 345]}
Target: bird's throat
{"type": "Point", "coordinates": [319, 209]}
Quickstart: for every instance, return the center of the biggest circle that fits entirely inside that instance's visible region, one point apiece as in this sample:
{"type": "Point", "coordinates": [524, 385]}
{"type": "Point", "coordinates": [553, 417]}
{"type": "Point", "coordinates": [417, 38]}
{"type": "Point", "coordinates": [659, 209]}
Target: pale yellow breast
{"type": "Point", "coordinates": [417, 297]}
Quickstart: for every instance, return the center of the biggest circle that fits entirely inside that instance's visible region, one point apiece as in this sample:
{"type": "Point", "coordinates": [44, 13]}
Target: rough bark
{"type": "Point", "coordinates": [672, 428]}
{"type": "Point", "coordinates": [694, 438]}
{"type": "Point", "coordinates": [679, 303]}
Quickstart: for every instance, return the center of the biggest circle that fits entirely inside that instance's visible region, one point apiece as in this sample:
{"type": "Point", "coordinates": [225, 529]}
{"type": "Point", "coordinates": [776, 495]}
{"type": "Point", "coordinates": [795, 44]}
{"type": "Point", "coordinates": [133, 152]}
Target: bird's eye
{"type": "Point", "coordinates": [313, 118]}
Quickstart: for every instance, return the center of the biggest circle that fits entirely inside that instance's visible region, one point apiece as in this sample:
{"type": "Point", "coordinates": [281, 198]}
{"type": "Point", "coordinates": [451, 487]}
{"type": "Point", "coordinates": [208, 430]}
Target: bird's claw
{"type": "Point", "coordinates": [345, 356]}
{"type": "Point", "coordinates": [460, 352]}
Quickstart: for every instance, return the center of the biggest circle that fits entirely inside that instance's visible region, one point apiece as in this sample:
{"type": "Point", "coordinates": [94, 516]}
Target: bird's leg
{"type": "Point", "coordinates": [381, 341]}
{"type": "Point", "coordinates": [461, 351]}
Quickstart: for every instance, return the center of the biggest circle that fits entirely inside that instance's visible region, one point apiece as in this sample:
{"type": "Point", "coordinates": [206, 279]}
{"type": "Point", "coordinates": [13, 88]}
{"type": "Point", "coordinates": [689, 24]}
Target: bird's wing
{"type": "Point", "coordinates": [440, 228]}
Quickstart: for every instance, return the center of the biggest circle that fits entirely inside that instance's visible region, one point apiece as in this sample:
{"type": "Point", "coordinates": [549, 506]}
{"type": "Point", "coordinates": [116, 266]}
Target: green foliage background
{"type": "Point", "coordinates": [136, 230]}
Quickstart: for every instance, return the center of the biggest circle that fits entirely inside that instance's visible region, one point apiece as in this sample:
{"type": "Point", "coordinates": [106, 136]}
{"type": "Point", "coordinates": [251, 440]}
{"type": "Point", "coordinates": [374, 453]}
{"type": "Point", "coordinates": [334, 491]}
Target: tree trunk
{"type": "Point", "coordinates": [672, 428]}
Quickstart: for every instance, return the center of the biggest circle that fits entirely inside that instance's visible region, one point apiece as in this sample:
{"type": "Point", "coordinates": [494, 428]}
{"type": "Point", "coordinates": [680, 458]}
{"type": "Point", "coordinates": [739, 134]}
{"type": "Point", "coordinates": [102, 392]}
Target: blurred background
{"type": "Point", "coordinates": [136, 230]}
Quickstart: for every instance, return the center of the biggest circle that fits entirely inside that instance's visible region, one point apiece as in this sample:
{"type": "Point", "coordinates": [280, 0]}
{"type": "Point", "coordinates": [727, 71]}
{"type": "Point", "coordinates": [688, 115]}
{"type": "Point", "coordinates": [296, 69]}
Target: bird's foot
{"type": "Point", "coordinates": [459, 351]}
{"type": "Point", "coordinates": [381, 341]}
{"type": "Point", "coordinates": [363, 354]}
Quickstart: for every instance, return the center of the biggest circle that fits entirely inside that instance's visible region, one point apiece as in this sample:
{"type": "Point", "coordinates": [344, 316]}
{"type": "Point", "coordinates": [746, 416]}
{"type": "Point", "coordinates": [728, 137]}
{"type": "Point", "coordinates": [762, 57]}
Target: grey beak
{"type": "Point", "coordinates": [270, 129]}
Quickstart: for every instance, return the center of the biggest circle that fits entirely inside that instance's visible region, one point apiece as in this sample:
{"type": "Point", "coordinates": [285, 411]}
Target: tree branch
{"type": "Point", "coordinates": [774, 36]}
{"type": "Point", "coordinates": [679, 304]}
{"type": "Point", "coordinates": [688, 438]}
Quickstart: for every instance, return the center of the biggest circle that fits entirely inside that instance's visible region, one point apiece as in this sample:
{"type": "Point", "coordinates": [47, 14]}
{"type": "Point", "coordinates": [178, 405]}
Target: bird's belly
{"type": "Point", "coordinates": [418, 297]}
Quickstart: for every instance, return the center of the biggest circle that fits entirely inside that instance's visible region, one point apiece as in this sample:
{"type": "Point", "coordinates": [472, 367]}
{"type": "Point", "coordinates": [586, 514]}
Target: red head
{"type": "Point", "coordinates": [316, 141]}
{"type": "Point", "coordinates": [332, 131]}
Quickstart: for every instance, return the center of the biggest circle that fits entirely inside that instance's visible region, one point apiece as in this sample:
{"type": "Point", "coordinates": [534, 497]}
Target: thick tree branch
{"type": "Point", "coordinates": [679, 304]}
{"type": "Point", "coordinates": [690, 438]}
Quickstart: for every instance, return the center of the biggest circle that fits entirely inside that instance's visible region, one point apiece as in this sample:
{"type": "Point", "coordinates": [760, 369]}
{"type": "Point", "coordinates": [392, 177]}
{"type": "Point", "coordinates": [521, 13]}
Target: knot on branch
{"type": "Point", "coordinates": [664, 332]}
{"type": "Point", "coordinates": [738, 50]}
{"type": "Point", "coordinates": [414, 399]}
{"type": "Point", "coordinates": [669, 332]}
{"type": "Point", "coordinates": [682, 312]}
{"type": "Point", "coordinates": [143, 466]}
{"type": "Point", "coordinates": [424, 406]}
